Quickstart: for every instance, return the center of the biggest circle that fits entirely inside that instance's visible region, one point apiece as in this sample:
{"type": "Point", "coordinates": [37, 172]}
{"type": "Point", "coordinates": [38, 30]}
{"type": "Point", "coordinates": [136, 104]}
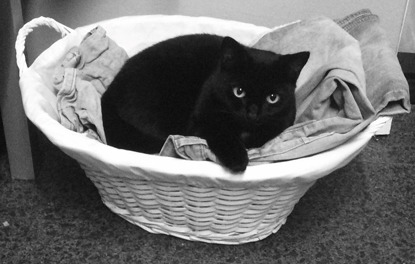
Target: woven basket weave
{"type": "Point", "coordinates": [193, 200]}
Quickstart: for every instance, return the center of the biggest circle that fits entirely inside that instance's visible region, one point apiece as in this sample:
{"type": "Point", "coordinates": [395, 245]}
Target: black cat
{"type": "Point", "coordinates": [208, 86]}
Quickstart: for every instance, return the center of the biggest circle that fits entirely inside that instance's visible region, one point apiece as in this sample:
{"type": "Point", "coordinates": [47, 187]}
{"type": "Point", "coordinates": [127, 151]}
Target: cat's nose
{"type": "Point", "coordinates": [253, 112]}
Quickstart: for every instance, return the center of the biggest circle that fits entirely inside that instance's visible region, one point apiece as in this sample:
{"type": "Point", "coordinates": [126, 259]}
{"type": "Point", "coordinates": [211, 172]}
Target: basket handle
{"type": "Point", "coordinates": [27, 29]}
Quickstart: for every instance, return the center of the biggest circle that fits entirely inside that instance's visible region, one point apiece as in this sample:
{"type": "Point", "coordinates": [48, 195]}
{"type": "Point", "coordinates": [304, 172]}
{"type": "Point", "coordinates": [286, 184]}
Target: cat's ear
{"type": "Point", "coordinates": [232, 54]}
{"type": "Point", "coordinates": [296, 63]}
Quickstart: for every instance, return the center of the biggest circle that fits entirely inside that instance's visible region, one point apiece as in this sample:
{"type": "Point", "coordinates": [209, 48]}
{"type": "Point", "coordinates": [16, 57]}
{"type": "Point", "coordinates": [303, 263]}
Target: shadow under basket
{"type": "Point", "coordinates": [194, 200]}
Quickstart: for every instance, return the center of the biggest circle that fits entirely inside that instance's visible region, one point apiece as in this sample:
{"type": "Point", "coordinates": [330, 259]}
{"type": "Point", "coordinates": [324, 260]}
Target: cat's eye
{"type": "Point", "coordinates": [273, 98]}
{"type": "Point", "coordinates": [239, 92]}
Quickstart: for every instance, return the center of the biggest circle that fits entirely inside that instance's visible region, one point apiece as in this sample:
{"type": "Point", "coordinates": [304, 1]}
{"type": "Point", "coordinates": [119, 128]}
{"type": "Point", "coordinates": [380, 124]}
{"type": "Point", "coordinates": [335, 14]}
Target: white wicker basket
{"type": "Point", "coordinates": [189, 199]}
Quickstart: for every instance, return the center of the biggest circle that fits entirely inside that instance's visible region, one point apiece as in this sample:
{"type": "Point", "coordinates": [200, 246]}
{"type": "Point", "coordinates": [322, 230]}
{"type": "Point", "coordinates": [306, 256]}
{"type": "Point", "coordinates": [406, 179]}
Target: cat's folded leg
{"type": "Point", "coordinates": [230, 152]}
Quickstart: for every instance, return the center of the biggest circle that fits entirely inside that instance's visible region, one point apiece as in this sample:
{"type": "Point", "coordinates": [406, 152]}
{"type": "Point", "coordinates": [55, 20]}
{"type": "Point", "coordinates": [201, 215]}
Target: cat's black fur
{"type": "Point", "coordinates": [206, 86]}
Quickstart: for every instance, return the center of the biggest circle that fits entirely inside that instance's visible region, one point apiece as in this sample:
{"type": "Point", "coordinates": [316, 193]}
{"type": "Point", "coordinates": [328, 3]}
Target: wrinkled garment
{"type": "Point", "coordinates": [352, 76]}
{"type": "Point", "coordinates": [187, 147]}
{"type": "Point", "coordinates": [386, 87]}
{"type": "Point", "coordinates": [82, 78]}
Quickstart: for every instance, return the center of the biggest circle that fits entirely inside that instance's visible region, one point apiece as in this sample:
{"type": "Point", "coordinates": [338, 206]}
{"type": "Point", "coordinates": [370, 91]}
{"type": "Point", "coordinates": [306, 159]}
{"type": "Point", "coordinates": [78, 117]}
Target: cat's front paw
{"type": "Point", "coordinates": [237, 166]}
{"type": "Point", "coordinates": [236, 161]}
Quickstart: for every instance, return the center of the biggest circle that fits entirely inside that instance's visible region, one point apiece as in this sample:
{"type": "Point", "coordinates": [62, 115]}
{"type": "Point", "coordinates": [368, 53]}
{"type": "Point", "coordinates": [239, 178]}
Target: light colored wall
{"type": "Point", "coordinates": [408, 35]}
{"type": "Point", "coordinates": [269, 13]}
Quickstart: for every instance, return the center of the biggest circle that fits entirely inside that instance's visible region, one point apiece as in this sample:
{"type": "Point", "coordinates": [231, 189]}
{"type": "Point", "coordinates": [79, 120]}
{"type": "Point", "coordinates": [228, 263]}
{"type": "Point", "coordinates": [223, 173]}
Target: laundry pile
{"type": "Point", "coordinates": [352, 77]}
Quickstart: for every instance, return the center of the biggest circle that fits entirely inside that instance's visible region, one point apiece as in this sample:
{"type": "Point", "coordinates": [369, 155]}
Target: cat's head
{"type": "Point", "coordinates": [257, 88]}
